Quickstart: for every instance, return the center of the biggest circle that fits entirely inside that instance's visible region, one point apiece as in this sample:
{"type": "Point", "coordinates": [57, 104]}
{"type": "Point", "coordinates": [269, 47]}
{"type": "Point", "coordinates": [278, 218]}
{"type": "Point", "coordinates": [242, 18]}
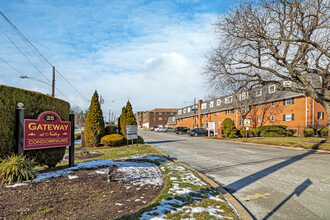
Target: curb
{"type": "Point", "coordinates": [242, 212]}
{"type": "Point", "coordinates": [272, 145]}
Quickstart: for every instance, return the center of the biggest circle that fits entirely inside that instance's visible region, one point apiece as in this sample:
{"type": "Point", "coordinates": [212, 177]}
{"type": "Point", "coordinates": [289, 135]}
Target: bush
{"type": "Point", "coordinates": [110, 130]}
{"type": "Point", "coordinates": [255, 132]}
{"type": "Point", "coordinates": [324, 132]}
{"type": "Point", "coordinates": [112, 139]}
{"type": "Point", "coordinates": [272, 131]}
{"type": "Point", "coordinates": [243, 133]}
{"type": "Point", "coordinates": [16, 169]}
{"type": "Point", "coordinates": [229, 128]}
{"type": "Point", "coordinates": [94, 125]}
{"type": "Point", "coordinates": [140, 139]}
{"type": "Point", "coordinates": [291, 132]}
{"type": "Point", "coordinates": [308, 132]}
{"type": "Point", "coordinates": [77, 136]}
{"type": "Point", "coordinates": [34, 104]}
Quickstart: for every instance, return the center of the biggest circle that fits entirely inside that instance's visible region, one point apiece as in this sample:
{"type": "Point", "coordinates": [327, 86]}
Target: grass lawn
{"type": "Point", "coordinates": [302, 142]}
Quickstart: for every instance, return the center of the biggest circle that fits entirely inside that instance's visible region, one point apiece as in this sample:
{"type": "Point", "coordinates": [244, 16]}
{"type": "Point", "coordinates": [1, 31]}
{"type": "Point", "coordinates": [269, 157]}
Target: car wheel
{"type": "Point", "coordinates": [195, 134]}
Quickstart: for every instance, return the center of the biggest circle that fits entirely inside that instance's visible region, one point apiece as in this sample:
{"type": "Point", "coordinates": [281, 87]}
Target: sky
{"type": "Point", "coordinates": [151, 53]}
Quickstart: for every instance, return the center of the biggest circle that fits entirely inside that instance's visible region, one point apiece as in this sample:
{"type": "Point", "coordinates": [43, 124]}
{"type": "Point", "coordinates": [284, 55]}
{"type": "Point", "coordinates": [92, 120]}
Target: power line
{"type": "Point", "coordinates": [31, 45]}
{"type": "Point", "coordinates": [24, 55]}
{"type": "Point", "coordinates": [11, 66]}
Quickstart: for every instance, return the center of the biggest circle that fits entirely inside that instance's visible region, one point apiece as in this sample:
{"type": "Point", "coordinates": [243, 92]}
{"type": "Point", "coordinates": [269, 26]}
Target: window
{"type": "Point", "coordinates": [271, 89]}
{"type": "Point", "coordinates": [288, 117]}
{"type": "Point", "coordinates": [320, 115]}
{"type": "Point", "coordinates": [228, 99]}
{"type": "Point", "coordinates": [259, 92]}
{"type": "Point", "coordinates": [160, 119]}
{"type": "Point", "coordinates": [287, 83]}
{"type": "Point", "coordinates": [184, 111]}
{"type": "Point", "coordinates": [272, 103]}
{"type": "Point", "coordinates": [172, 113]}
{"type": "Point", "coordinates": [259, 105]}
{"type": "Point", "coordinates": [288, 101]}
{"type": "Point", "coordinates": [272, 118]}
{"type": "Point", "coordinates": [244, 95]}
{"type": "Point", "coordinates": [159, 113]}
{"type": "Point", "coordinates": [203, 105]}
{"type": "Point", "coordinates": [211, 104]}
{"type": "Point", "coordinates": [259, 119]}
{"type": "Point", "coordinates": [204, 116]}
{"type": "Point", "coordinates": [204, 124]}
{"type": "Point", "coordinates": [218, 102]}
{"type": "Point", "coordinates": [229, 111]}
{"type": "Point", "coordinates": [189, 109]}
{"type": "Point", "coordinates": [179, 112]}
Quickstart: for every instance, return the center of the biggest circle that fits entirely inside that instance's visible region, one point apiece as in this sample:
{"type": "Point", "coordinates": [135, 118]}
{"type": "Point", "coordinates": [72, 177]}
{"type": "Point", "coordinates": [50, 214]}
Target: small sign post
{"type": "Point", "coordinates": [246, 123]}
{"type": "Point", "coordinates": [132, 133]}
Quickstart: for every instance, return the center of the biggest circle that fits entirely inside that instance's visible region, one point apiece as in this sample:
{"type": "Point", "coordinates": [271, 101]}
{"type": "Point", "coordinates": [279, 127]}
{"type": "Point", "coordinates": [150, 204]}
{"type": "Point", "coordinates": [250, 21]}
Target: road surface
{"type": "Point", "coordinates": [271, 182]}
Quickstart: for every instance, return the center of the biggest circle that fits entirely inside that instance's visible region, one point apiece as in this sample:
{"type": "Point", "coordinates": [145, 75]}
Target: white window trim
{"type": "Point", "coordinates": [244, 95]}
{"type": "Point", "coordinates": [179, 112]}
{"type": "Point", "coordinates": [272, 118]}
{"type": "Point", "coordinates": [228, 99]}
{"type": "Point", "coordinates": [259, 92]}
{"type": "Point", "coordinates": [270, 90]}
{"type": "Point", "coordinates": [211, 104]}
{"type": "Point", "coordinates": [189, 109]}
{"type": "Point", "coordinates": [259, 119]}
{"type": "Point", "coordinates": [203, 105]}
{"type": "Point", "coordinates": [218, 102]}
{"type": "Point", "coordinates": [184, 111]}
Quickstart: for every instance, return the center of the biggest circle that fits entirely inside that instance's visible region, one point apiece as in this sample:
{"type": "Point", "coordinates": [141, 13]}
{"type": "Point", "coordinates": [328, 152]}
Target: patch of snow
{"type": "Point", "coordinates": [119, 204]}
{"type": "Point", "coordinates": [137, 200]}
{"type": "Point", "coordinates": [100, 172]}
{"type": "Point", "coordinates": [17, 185]}
{"type": "Point", "coordinates": [71, 177]}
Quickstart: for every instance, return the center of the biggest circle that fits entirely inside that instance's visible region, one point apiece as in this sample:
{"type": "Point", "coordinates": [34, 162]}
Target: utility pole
{"type": "Point", "coordinates": [53, 83]}
{"type": "Point", "coordinates": [109, 116]}
{"type": "Point", "coordinates": [194, 112]}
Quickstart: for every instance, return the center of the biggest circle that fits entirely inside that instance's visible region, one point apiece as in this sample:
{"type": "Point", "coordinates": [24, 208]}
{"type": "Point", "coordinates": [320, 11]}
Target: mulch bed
{"type": "Point", "coordinates": [90, 196]}
{"type": "Point", "coordinates": [79, 155]}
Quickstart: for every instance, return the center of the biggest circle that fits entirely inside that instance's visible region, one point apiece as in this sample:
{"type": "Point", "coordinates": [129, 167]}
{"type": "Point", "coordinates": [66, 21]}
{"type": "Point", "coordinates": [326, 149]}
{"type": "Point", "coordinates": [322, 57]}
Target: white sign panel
{"type": "Point", "coordinates": [211, 125]}
{"type": "Point", "coordinates": [247, 122]}
{"type": "Point", "coordinates": [132, 132]}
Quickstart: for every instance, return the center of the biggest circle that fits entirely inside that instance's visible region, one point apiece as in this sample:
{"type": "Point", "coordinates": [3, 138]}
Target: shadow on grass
{"type": "Point", "coordinates": [161, 142]}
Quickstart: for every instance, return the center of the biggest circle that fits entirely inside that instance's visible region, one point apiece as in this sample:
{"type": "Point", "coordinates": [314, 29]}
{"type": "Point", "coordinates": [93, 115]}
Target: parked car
{"type": "Point", "coordinates": [152, 128]}
{"type": "Point", "coordinates": [181, 130]}
{"type": "Point", "coordinates": [163, 129]}
{"type": "Point", "coordinates": [158, 128]}
{"type": "Point", "coordinates": [199, 132]}
{"type": "Point", "coordinates": [169, 129]}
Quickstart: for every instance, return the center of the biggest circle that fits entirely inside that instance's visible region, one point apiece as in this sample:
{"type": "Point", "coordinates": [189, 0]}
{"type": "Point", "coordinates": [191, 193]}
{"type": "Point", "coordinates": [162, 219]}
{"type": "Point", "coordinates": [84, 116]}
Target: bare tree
{"type": "Point", "coordinates": [264, 112]}
{"type": "Point", "coordinates": [271, 41]}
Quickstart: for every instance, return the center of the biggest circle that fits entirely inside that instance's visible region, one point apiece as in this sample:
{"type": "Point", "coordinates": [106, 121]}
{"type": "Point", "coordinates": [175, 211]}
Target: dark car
{"type": "Point", "coordinates": [199, 132]}
{"type": "Point", "coordinates": [181, 130]}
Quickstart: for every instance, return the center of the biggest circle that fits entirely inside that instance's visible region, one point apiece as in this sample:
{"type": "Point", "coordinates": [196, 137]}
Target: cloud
{"type": "Point", "coordinates": [151, 54]}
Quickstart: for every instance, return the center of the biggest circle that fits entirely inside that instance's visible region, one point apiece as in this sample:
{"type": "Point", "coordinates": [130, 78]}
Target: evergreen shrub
{"type": "Point", "coordinates": [126, 118]}
{"type": "Point", "coordinates": [110, 129]}
{"type": "Point", "coordinates": [94, 125]}
{"type": "Point", "coordinates": [112, 139]}
{"type": "Point", "coordinates": [324, 132]}
{"type": "Point", "coordinates": [272, 131]}
{"type": "Point", "coordinates": [34, 104]}
{"type": "Point", "coordinates": [243, 133]}
{"type": "Point", "coordinates": [255, 132]}
{"type": "Point", "coordinates": [16, 169]}
{"type": "Point", "coordinates": [308, 132]}
{"type": "Point", "coordinates": [291, 132]}
{"type": "Point", "coordinates": [229, 128]}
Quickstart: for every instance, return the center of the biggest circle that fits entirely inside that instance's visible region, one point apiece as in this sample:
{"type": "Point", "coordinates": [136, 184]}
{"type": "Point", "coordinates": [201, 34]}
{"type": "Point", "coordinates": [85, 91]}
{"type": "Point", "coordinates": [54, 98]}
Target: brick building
{"type": "Point", "coordinates": [266, 106]}
{"type": "Point", "coordinates": [157, 117]}
{"type": "Point", "coordinates": [139, 118]}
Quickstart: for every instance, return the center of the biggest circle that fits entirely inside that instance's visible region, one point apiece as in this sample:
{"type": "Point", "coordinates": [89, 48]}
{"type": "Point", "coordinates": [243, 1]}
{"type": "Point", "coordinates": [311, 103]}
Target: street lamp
{"type": "Point", "coordinates": [28, 77]}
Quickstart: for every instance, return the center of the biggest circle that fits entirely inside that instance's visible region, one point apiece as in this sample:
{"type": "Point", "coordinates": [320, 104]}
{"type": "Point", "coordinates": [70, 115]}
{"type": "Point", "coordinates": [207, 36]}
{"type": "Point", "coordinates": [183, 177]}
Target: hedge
{"type": "Point", "coordinates": [272, 131]}
{"type": "Point", "coordinates": [34, 104]}
{"type": "Point", "coordinates": [291, 132]}
{"type": "Point", "coordinates": [324, 132]}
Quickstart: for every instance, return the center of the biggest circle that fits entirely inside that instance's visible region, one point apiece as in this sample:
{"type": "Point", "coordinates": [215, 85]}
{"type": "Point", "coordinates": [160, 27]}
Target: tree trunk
{"type": "Point", "coordinates": [327, 109]}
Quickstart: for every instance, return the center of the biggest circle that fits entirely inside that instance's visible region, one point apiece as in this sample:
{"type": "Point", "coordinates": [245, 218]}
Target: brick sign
{"type": "Point", "coordinates": [47, 131]}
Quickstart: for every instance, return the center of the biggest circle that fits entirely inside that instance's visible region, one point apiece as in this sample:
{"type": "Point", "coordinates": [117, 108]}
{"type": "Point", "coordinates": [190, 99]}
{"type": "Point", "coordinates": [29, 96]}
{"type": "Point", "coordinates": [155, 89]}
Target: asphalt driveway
{"type": "Point", "coordinates": [271, 182]}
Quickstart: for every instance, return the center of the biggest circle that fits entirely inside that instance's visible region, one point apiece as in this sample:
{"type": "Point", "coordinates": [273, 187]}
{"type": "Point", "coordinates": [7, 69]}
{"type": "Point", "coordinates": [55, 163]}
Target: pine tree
{"type": "Point", "coordinates": [94, 125]}
{"type": "Point", "coordinates": [122, 120]}
{"type": "Point", "coordinates": [130, 119]}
